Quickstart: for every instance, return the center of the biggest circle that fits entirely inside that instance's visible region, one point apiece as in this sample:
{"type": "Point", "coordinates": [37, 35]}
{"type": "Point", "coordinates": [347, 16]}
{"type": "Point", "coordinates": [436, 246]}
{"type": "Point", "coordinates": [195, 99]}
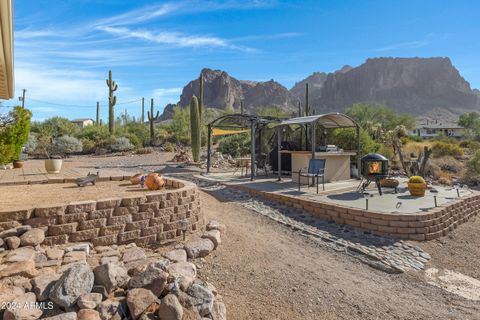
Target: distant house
{"type": "Point", "coordinates": [434, 128]}
{"type": "Point", "coordinates": [82, 123]}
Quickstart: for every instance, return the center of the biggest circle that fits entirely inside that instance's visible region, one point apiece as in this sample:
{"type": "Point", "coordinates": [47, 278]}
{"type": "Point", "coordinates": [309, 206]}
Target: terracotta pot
{"type": "Point", "coordinates": [417, 189]}
{"type": "Point", "coordinates": [53, 165]}
{"type": "Point", "coordinates": [18, 164]}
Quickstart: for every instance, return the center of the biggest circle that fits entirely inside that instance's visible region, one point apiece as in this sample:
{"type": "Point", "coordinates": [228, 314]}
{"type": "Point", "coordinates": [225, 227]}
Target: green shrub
{"type": "Point", "coordinates": [347, 140]}
{"type": "Point", "coordinates": [56, 127]}
{"type": "Point", "coordinates": [169, 147]}
{"type": "Point", "coordinates": [89, 146]}
{"type": "Point", "coordinates": [14, 135]}
{"type": "Point", "coordinates": [66, 145]}
{"type": "Point", "coordinates": [473, 165]}
{"type": "Point", "coordinates": [441, 149]}
{"type": "Point", "coordinates": [94, 133]}
{"type": "Point", "coordinates": [145, 150]}
{"type": "Point", "coordinates": [470, 144]}
{"type": "Point", "coordinates": [235, 145]}
{"type": "Point", "coordinates": [122, 144]}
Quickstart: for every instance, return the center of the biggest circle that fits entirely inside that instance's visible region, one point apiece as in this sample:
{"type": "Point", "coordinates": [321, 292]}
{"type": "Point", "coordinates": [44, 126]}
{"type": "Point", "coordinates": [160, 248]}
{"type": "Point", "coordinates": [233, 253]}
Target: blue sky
{"type": "Point", "coordinates": [64, 49]}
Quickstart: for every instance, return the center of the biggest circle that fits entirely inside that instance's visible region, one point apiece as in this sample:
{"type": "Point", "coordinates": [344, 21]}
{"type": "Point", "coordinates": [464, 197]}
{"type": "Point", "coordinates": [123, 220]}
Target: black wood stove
{"type": "Point", "coordinates": [374, 168]}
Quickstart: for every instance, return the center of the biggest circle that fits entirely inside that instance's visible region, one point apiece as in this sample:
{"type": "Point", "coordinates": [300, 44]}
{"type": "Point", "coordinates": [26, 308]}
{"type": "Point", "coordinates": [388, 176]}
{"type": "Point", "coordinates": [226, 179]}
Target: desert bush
{"type": "Point", "coordinates": [169, 147]}
{"type": "Point", "coordinates": [88, 145]}
{"type": "Point", "coordinates": [14, 135]}
{"type": "Point", "coordinates": [137, 133]}
{"type": "Point", "coordinates": [66, 145]}
{"type": "Point", "coordinates": [31, 144]}
{"type": "Point", "coordinates": [94, 133]}
{"type": "Point", "coordinates": [449, 164]}
{"type": "Point", "coordinates": [137, 143]}
{"type": "Point", "coordinates": [473, 165]}
{"type": "Point", "coordinates": [235, 145]}
{"type": "Point", "coordinates": [441, 149]}
{"type": "Point", "coordinates": [470, 144]}
{"type": "Point", "coordinates": [56, 127]}
{"type": "Point", "coordinates": [122, 144]}
{"type": "Point", "coordinates": [347, 139]}
{"type": "Point", "coordinates": [145, 150]}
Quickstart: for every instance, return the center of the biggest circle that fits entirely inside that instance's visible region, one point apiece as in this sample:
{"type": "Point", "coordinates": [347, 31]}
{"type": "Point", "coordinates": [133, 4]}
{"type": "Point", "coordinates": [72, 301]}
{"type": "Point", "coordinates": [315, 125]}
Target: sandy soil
{"type": "Point", "coordinates": [266, 271]}
{"type": "Point", "coordinates": [459, 250]}
{"type": "Point", "coordinates": [30, 196]}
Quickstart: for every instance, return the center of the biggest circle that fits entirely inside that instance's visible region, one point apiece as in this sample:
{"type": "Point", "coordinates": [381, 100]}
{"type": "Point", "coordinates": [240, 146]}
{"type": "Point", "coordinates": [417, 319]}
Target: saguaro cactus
{"type": "Point", "coordinates": [307, 101]}
{"type": "Point", "coordinates": [151, 120]}
{"type": "Point", "coordinates": [200, 96]}
{"type": "Point", "coordinates": [112, 100]}
{"type": "Point", "coordinates": [195, 127]}
{"type": "Point", "coordinates": [97, 119]}
{"type": "Point", "coordinates": [299, 109]}
{"type": "Point", "coordinates": [125, 118]}
{"type": "Point", "coordinates": [143, 111]}
{"type": "Point", "coordinates": [241, 107]}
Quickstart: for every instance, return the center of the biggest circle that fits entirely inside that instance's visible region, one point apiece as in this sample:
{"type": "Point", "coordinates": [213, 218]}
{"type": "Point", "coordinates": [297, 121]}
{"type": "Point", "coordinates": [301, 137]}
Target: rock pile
{"type": "Point", "coordinates": [79, 281]}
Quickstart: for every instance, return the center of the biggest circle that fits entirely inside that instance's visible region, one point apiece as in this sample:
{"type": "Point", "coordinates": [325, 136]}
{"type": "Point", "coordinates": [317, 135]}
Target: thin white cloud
{"type": "Point", "coordinates": [166, 92]}
{"type": "Point", "coordinates": [30, 34]}
{"type": "Point", "coordinates": [404, 45]}
{"type": "Point", "coordinates": [173, 38]}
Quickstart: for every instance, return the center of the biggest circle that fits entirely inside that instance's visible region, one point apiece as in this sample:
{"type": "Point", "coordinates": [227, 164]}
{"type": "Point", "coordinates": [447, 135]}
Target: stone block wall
{"type": "Point", "coordinates": [143, 219]}
{"type": "Point", "coordinates": [419, 226]}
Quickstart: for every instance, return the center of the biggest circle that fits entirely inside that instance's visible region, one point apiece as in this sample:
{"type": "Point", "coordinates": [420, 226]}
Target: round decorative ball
{"type": "Point", "coordinates": [154, 181]}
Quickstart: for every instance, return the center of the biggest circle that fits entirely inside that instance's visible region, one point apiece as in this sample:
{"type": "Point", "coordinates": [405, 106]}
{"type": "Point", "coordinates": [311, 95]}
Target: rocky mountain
{"type": "Point", "coordinates": [221, 91]}
{"type": "Point", "coordinates": [315, 85]}
{"type": "Point", "coordinates": [409, 85]}
{"type": "Point", "coordinates": [418, 86]}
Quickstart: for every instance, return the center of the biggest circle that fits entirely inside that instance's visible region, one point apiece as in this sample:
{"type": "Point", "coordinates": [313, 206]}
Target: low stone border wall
{"type": "Point", "coordinates": [418, 226]}
{"type": "Point", "coordinates": [143, 219]}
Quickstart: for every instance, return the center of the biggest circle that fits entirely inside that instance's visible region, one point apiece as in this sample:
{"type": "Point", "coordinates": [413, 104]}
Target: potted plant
{"type": "Point", "coordinates": [14, 129]}
{"type": "Point", "coordinates": [56, 149]}
{"type": "Point", "coordinates": [417, 186]}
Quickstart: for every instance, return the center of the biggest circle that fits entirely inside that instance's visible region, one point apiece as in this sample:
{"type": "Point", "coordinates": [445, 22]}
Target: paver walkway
{"type": "Point", "coordinates": [34, 172]}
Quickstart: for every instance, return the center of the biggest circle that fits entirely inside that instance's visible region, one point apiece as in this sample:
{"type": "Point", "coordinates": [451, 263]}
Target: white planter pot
{"type": "Point", "coordinates": [53, 165]}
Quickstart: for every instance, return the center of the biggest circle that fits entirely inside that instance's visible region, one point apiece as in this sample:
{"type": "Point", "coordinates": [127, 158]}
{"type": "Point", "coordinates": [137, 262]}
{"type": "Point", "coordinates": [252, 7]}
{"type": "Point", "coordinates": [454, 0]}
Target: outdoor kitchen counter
{"type": "Point", "coordinates": [337, 164]}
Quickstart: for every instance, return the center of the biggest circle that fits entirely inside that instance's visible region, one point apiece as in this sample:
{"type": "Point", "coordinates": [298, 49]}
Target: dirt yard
{"type": "Point", "coordinates": [267, 271]}
{"type": "Point", "coordinates": [35, 195]}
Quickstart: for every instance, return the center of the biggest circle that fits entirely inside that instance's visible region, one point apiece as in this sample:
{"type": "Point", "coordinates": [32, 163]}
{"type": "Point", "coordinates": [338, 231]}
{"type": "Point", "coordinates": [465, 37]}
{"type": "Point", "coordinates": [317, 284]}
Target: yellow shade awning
{"type": "Point", "coordinates": [6, 49]}
{"type": "Point", "coordinates": [222, 132]}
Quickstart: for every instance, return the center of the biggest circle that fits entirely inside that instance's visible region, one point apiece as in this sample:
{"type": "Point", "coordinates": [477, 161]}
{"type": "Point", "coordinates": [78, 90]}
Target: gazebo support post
{"type": "Point", "coordinates": [313, 140]}
{"type": "Point", "coordinates": [252, 150]}
{"type": "Point", "coordinates": [209, 147]}
{"type": "Point", "coordinates": [359, 162]}
{"type": "Point", "coordinates": [279, 154]}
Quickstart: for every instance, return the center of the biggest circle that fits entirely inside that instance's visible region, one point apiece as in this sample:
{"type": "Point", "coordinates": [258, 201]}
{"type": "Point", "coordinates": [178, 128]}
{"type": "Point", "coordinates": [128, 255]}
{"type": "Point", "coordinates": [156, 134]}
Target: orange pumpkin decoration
{"type": "Point", "coordinates": [154, 181]}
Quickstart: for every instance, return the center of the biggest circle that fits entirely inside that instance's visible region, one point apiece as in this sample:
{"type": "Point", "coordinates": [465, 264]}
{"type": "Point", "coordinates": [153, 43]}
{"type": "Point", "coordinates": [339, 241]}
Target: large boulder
{"type": "Point", "coordinates": [153, 278]}
{"type": "Point", "coordinates": [32, 237]}
{"type": "Point", "coordinates": [22, 268]}
{"type": "Point", "coordinates": [12, 242]}
{"type": "Point", "coordinates": [202, 298]}
{"type": "Point", "coordinates": [72, 284]}
{"type": "Point", "coordinates": [111, 276]}
{"type": "Point", "coordinates": [214, 236]}
{"type": "Point", "coordinates": [183, 272]}
{"type": "Point", "coordinates": [43, 284]}
{"type": "Point", "coordinates": [138, 300]}
{"type": "Point", "coordinates": [133, 254]}
{"type": "Point", "coordinates": [170, 308]}
{"type": "Point", "coordinates": [9, 294]}
{"type": "Point", "coordinates": [199, 248]}
{"type": "Point", "coordinates": [63, 316]}
{"type": "Point", "coordinates": [89, 300]}
{"type": "Point", "coordinates": [17, 231]}
{"type": "Point", "coordinates": [20, 254]}
{"type": "Point", "coordinates": [88, 314]}
{"type": "Point", "coordinates": [219, 311]}
{"type": "Point", "coordinates": [113, 309]}
{"type": "Point", "coordinates": [23, 307]}
{"type": "Point", "coordinates": [179, 255]}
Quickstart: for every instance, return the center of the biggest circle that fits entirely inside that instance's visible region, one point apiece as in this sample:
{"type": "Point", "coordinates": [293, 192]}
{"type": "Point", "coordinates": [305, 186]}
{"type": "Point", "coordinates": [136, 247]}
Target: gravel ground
{"type": "Point", "coordinates": [268, 271]}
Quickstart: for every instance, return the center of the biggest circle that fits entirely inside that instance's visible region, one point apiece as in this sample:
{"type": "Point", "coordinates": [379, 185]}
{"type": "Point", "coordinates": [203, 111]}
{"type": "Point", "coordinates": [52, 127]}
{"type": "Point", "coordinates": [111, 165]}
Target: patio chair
{"type": "Point", "coordinates": [261, 163]}
{"type": "Point", "coordinates": [316, 169]}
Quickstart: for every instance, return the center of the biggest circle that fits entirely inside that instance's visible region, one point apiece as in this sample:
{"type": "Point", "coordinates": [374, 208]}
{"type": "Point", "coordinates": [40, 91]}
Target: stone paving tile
{"type": "Point", "coordinates": [386, 254]}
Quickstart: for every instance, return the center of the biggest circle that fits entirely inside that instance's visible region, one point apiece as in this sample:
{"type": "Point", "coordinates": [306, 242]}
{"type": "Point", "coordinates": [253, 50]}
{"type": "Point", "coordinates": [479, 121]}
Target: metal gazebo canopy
{"type": "Point", "coordinates": [327, 121]}
{"type": "Point", "coordinates": [239, 121]}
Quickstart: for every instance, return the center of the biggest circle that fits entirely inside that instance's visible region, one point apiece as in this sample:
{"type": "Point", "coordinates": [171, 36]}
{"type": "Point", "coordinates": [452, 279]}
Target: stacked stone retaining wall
{"type": "Point", "coordinates": [144, 219]}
